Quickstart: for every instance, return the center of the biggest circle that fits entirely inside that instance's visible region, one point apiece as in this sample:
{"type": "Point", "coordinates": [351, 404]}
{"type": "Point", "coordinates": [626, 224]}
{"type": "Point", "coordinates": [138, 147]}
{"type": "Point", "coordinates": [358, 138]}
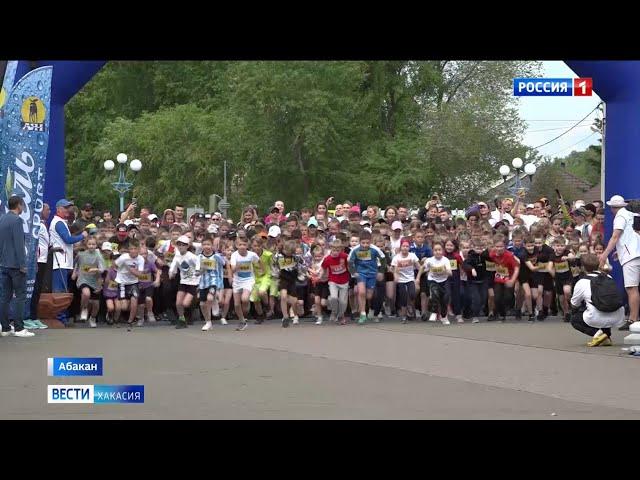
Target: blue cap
{"type": "Point", "coordinates": [63, 203]}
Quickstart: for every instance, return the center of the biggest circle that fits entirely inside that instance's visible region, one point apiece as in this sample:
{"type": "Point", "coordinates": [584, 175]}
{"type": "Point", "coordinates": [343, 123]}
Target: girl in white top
{"type": "Point", "coordinates": [404, 265]}
{"type": "Point", "coordinates": [439, 268]}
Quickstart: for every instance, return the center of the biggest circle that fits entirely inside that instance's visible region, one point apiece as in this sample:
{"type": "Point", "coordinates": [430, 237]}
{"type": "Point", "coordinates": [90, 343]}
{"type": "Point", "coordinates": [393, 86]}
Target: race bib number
{"type": "Point", "coordinates": [145, 277]}
{"type": "Point", "coordinates": [502, 271]}
{"type": "Point", "coordinates": [338, 269]}
{"type": "Point", "coordinates": [491, 267]}
{"type": "Point", "coordinates": [404, 263]}
{"type": "Point", "coordinates": [437, 269]}
{"type": "Point", "coordinates": [285, 262]}
{"type": "Point", "coordinates": [575, 271]}
{"type": "Point", "coordinates": [112, 285]}
{"type": "Point", "coordinates": [169, 256]}
{"type": "Point", "coordinates": [244, 267]}
{"type": "Point", "coordinates": [86, 268]}
{"type": "Point", "coordinates": [208, 264]}
{"type": "Point", "coordinates": [454, 264]}
{"type": "Point", "coordinates": [562, 267]}
{"type": "Point", "coordinates": [364, 255]}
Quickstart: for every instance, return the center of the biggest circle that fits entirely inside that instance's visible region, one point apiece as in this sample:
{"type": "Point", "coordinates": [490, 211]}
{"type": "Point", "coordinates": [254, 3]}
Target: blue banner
{"type": "Point", "coordinates": [74, 366]}
{"type": "Point", "coordinates": [24, 138]}
{"type": "Point", "coordinates": [7, 82]}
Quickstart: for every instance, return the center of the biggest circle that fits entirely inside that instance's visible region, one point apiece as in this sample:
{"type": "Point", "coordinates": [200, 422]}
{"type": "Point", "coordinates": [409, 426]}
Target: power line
{"type": "Point", "coordinates": [573, 145]}
{"type": "Point", "coordinates": [567, 131]}
{"type": "Point", "coordinates": [557, 128]}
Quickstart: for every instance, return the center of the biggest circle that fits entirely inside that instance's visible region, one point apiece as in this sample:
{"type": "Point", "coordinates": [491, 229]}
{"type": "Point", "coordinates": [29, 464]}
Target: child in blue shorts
{"type": "Point", "coordinates": [363, 265]}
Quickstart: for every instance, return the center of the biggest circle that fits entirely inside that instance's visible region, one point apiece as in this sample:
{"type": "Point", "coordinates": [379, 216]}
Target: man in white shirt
{"type": "Point", "coordinates": [588, 319]}
{"type": "Point", "coordinates": [627, 244]}
{"type": "Point", "coordinates": [497, 215]}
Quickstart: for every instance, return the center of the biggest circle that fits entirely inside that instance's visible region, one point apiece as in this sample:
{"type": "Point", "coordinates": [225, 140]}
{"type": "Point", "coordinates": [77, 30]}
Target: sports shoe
{"type": "Point", "coordinates": [296, 320]}
{"type": "Point", "coordinates": [151, 317]}
{"type": "Point", "coordinates": [181, 324]}
{"type": "Point", "coordinates": [215, 308]}
{"type": "Point", "coordinates": [223, 321]}
{"type": "Point", "coordinates": [24, 333]}
{"type": "Point", "coordinates": [285, 322]}
{"type": "Point", "coordinates": [6, 334]}
{"type": "Point", "coordinates": [29, 324]}
{"type": "Point", "coordinates": [502, 319]}
{"type": "Point", "coordinates": [40, 325]}
{"type": "Point", "coordinates": [319, 321]}
{"type": "Point", "coordinates": [541, 316]}
{"type": "Point", "coordinates": [518, 315]}
{"type": "Point", "coordinates": [129, 326]}
{"type": "Point", "coordinates": [491, 317]}
{"type": "Point", "coordinates": [475, 320]}
{"type": "Point", "coordinates": [84, 314]}
{"type": "Point", "coordinates": [597, 340]}
{"type": "Point", "coordinates": [532, 318]}
{"type": "Point", "coordinates": [433, 317]}
{"type": "Point", "coordinates": [371, 315]}
{"type": "Point", "coordinates": [92, 322]}
{"type": "Point", "coordinates": [445, 321]}
{"type": "Point", "coordinates": [567, 318]}
{"type": "Point", "coordinates": [459, 319]}
{"type": "Point", "coordinates": [404, 319]}
{"type": "Point", "coordinates": [207, 326]}
{"type": "Point", "coordinates": [343, 320]}
{"type": "Point", "coordinates": [333, 318]}
{"type": "Point", "coordinates": [362, 319]}
{"type": "Point", "coordinates": [387, 310]}
{"type": "Point", "coordinates": [607, 342]}
{"type": "Point", "coordinates": [242, 326]}
{"type": "Point", "coordinates": [625, 327]}
{"type": "Point", "coordinates": [140, 322]}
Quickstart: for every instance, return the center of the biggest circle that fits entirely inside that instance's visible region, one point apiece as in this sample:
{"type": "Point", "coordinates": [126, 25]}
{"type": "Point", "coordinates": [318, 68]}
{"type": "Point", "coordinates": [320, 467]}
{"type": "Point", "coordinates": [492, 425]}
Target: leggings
{"type": "Point", "coordinates": [338, 296]}
{"type": "Point", "coordinates": [503, 298]}
{"type": "Point", "coordinates": [379, 296]}
{"type": "Point", "coordinates": [439, 298]}
{"type": "Point", "coordinates": [406, 293]}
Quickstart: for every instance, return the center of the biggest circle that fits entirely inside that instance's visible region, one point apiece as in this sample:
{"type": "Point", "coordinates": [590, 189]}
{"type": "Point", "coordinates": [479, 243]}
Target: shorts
{"type": "Point", "coordinates": [190, 289]}
{"type": "Point", "coordinates": [491, 279]}
{"type": "Point", "coordinates": [125, 292]}
{"type": "Point", "coordinates": [144, 293]}
{"type": "Point", "coordinates": [631, 273]}
{"type": "Point", "coordinates": [560, 282]}
{"type": "Point", "coordinates": [352, 282]}
{"type": "Point", "coordinates": [424, 285]}
{"type": "Point", "coordinates": [544, 279]}
{"type": "Point", "coordinates": [288, 284]}
{"type": "Point", "coordinates": [273, 287]}
{"type": "Point", "coordinates": [370, 282]}
{"type": "Point", "coordinates": [203, 293]}
{"type": "Point", "coordinates": [247, 285]}
{"type": "Point", "coordinates": [226, 283]}
{"type": "Point", "coordinates": [302, 291]}
{"type": "Point", "coordinates": [321, 289]}
{"type": "Point", "coordinates": [93, 295]}
{"type": "Point", "coordinates": [262, 285]}
{"type": "Point", "coordinates": [388, 277]}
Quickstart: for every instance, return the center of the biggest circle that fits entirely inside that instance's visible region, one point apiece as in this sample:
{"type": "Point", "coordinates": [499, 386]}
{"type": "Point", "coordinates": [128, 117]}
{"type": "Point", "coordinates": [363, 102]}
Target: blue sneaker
{"type": "Point", "coordinates": [40, 324]}
{"type": "Point", "coordinates": [30, 324]}
{"type": "Point", "coordinates": [363, 319]}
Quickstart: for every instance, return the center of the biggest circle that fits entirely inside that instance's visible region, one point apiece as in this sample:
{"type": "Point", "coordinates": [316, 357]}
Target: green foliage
{"type": "Point", "coordinates": [585, 164]}
{"type": "Point", "coordinates": [374, 132]}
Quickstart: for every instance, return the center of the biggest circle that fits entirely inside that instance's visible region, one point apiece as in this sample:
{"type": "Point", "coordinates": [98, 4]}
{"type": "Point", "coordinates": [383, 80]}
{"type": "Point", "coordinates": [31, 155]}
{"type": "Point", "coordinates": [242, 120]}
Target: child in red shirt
{"type": "Point", "coordinates": [507, 269]}
{"type": "Point", "coordinates": [338, 272]}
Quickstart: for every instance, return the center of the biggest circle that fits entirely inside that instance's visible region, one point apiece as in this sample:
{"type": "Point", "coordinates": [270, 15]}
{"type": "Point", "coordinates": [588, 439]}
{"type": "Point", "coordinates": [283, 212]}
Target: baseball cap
{"type": "Point", "coordinates": [365, 222]}
{"type": "Point", "coordinates": [106, 246]}
{"type": "Point", "coordinates": [274, 231]}
{"type": "Point", "coordinates": [122, 227]}
{"type": "Point", "coordinates": [580, 203]}
{"type": "Point", "coordinates": [274, 209]}
{"type": "Point", "coordinates": [530, 205]}
{"type": "Point", "coordinates": [183, 239]}
{"type": "Point", "coordinates": [152, 217]}
{"type": "Point", "coordinates": [63, 203]}
{"type": "Point", "coordinates": [213, 228]}
{"type": "Point", "coordinates": [397, 225]}
{"type": "Point", "coordinates": [132, 226]}
{"type": "Point", "coordinates": [128, 222]}
{"type": "Point", "coordinates": [312, 221]}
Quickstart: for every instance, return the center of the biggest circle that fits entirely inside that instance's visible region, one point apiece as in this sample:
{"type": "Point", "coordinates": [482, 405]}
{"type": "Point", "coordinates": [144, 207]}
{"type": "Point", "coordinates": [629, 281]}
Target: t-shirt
{"type": "Point", "coordinates": [395, 245]}
{"type": "Point", "coordinates": [628, 245]}
{"type": "Point", "coordinates": [243, 265]}
{"type": "Point", "coordinates": [456, 261]}
{"type": "Point", "coordinates": [439, 269]}
{"type": "Point", "coordinates": [592, 316]}
{"type": "Point", "coordinates": [123, 263]}
{"type": "Point", "coordinates": [365, 262]}
{"type": "Point", "coordinates": [265, 259]}
{"type": "Point", "coordinates": [109, 285]}
{"type": "Point", "coordinates": [561, 267]}
{"type": "Point", "coordinates": [211, 271]}
{"type": "Point", "coordinates": [189, 266]}
{"type": "Point", "coordinates": [404, 267]}
{"type": "Point", "coordinates": [421, 251]}
{"type": "Point", "coordinates": [544, 257]}
{"type": "Point", "coordinates": [86, 261]}
{"type": "Point", "coordinates": [149, 272]}
{"type": "Point", "coordinates": [505, 265]}
{"type": "Point", "coordinates": [337, 267]}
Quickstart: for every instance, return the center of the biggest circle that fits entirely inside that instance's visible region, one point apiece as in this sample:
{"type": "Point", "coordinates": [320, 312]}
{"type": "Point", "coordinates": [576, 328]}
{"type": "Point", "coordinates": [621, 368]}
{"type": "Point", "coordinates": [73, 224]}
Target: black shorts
{"type": "Point", "coordinates": [125, 292]}
{"type": "Point", "coordinates": [545, 279]}
{"type": "Point", "coordinates": [144, 293]}
{"type": "Point", "coordinates": [321, 289]}
{"type": "Point", "coordinates": [288, 284]}
{"type": "Point", "coordinates": [353, 282]}
{"type": "Point", "coordinates": [302, 291]}
{"type": "Point", "coordinates": [190, 289]}
{"type": "Point", "coordinates": [227, 285]}
{"type": "Point", "coordinates": [203, 293]}
{"type": "Point", "coordinates": [388, 277]}
{"type": "Point", "coordinates": [424, 284]}
{"type": "Point", "coordinates": [491, 277]}
{"type": "Point", "coordinates": [560, 282]}
{"type": "Point", "coordinates": [93, 295]}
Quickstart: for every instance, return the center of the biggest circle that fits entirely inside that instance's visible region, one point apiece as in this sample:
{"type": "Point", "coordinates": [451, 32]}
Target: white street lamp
{"type": "Point", "coordinates": [122, 186]}
{"type": "Point", "coordinates": [517, 163]}
{"type": "Point", "coordinates": [530, 169]}
{"type": "Point", "coordinates": [135, 165]}
{"type": "Point", "coordinates": [504, 171]}
{"type": "Point", "coordinates": [109, 165]}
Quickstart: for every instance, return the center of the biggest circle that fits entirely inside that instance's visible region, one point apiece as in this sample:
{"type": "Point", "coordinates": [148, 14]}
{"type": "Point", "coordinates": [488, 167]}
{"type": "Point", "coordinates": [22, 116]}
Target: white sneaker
{"type": "Point", "coordinates": [433, 317]}
{"type": "Point", "coordinates": [475, 320]}
{"type": "Point", "coordinates": [6, 334]}
{"type": "Point", "coordinates": [333, 318]}
{"type": "Point", "coordinates": [418, 313]}
{"type": "Point", "coordinates": [92, 322]}
{"type": "Point", "coordinates": [223, 321]}
{"type": "Point", "coordinates": [140, 322]}
{"type": "Point", "coordinates": [387, 310]}
{"type": "Point", "coordinates": [319, 321]}
{"type": "Point", "coordinates": [24, 333]}
{"type": "Point", "coordinates": [371, 315]}
{"type": "Point", "coordinates": [459, 319]}
{"type": "Point", "coordinates": [84, 314]}
{"type": "Point", "coordinates": [207, 326]}
{"type": "Point", "coordinates": [445, 321]}
{"type": "Point", "coordinates": [291, 312]}
{"type": "Point", "coordinates": [151, 317]}
{"type": "Point", "coordinates": [296, 320]}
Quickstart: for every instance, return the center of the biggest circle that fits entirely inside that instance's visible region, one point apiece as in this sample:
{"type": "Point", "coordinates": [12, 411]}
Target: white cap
{"type": "Point", "coordinates": [128, 222]}
{"type": "Point", "coordinates": [367, 229]}
{"type": "Point", "coordinates": [530, 205]}
{"type": "Point", "coordinates": [617, 201]}
{"type": "Point", "coordinates": [396, 225]}
{"type": "Point", "coordinates": [152, 217]}
{"type": "Point", "coordinates": [579, 203]}
{"type": "Point", "coordinates": [107, 246]}
{"type": "Point", "coordinates": [184, 239]}
{"type": "Point", "coordinates": [213, 228]}
{"type": "Point", "coordinates": [274, 231]}
{"type": "Point", "coordinates": [365, 222]}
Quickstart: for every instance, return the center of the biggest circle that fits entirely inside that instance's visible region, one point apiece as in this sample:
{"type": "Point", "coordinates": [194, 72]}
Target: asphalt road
{"type": "Point", "coordinates": [382, 370]}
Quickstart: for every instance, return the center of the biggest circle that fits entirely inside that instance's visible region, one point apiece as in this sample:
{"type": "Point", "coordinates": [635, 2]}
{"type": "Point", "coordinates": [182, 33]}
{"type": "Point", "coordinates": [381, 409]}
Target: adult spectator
{"type": "Point", "coordinates": [483, 212]}
{"type": "Point", "coordinates": [587, 318]}
{"type": "Point", "coordinates": [13, 269]}
{"type": "Point", "coordinates": [86, 217]}
{"type": "Point", "coordinates": [145, 212]}
{"type": "Point", "coordinates": [107, 216]}
{"type": "Point", "coordinates": [320, 212]}
{"type": "Point", "coordinates": [403, 214]}
{"type": "Point", "coordinates": [339, 212]}
{"type": "Point", "coordinates": [42, 258]}
{"type": "Point", "coordinates": [62, 241]}
{"type": "Point", "coordinates": [503, 214]}
{"type": "Point", "coordinates": [580, 217]}
{"type": "Point", "coordinates": [627, 244]}
{"type": "Point", "coordinates": [275, 216]}
{"type": "Point", "coordinates": [179, 212]}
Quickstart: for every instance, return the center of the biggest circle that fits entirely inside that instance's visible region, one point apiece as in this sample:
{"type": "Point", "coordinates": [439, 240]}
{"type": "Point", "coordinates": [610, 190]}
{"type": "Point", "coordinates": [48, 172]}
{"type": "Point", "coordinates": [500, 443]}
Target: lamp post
{"type": "Point", "coordinates": [529, 169]}
{"type": "Point", "coordinates": [122, 186]}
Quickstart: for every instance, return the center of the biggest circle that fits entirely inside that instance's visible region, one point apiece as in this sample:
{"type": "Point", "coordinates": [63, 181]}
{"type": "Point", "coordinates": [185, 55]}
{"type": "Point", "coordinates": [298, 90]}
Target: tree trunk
{"type": "Point", "coordinates": [297, 154]}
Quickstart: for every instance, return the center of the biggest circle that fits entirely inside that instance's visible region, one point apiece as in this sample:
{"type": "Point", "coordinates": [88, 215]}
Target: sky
{"type": "Point", "coordinates": [548, 117]}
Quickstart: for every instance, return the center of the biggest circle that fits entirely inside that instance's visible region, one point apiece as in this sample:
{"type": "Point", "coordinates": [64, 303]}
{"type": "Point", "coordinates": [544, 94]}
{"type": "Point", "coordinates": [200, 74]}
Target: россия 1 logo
{"type": "Point", "coordinates": [552, 87]}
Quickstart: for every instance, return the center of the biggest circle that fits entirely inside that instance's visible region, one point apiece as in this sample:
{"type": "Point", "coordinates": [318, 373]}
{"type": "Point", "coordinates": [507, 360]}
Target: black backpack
{"type": "Point", "coordinates": [605, 295]}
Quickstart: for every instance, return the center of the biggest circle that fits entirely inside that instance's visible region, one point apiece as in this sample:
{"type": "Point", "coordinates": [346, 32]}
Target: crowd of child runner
{"type": "Point", "coordinates": [341, 263]}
